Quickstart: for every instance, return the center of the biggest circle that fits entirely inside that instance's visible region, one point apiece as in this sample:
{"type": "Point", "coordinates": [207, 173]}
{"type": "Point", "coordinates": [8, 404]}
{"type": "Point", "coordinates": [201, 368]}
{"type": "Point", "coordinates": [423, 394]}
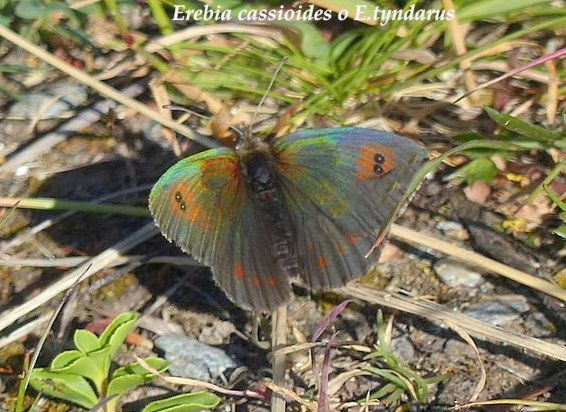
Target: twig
{"type": "Point", "coordinates": [101, 87]}
{"type": "Point", "coordinates": [30, 232]}
{"type": "Point", "coordinates": [279, 339]}
{"type": "Point", "coordinates": [25, 329]}
{"type": "Point", "coordinates": [411, 236]}
{"type": "Point", "coordinates": [69, 262]}
{"type": "Point", "coordinates": [81, 121]}
{"type": "Point", "coordinates": [97, 263]}
{"type": "Point", "coordinates": [436, 312]}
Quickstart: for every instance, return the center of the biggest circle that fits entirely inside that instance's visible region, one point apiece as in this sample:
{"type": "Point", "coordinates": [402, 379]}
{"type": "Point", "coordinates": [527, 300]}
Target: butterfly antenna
{"type": "Point", "coordinates": [279, 66]}
{"type": "Point", "coordinates": [194, 110]}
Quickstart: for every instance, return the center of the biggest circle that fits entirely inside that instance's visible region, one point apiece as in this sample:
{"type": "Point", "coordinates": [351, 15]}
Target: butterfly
{"type": "Point", "coordinates": [308, 205]}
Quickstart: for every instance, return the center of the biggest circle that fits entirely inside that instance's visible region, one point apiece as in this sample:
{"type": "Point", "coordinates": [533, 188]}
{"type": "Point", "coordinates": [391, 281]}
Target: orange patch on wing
{"type": "Point", "coordinates": [366, 161]}
{"type": "Point", "coordinates": [340, 250]}
{"type": "Point", "coordinates": [352, 238]}
{"type": "Point", "coordinates": [239, 270]}
{"type": "Point", "coordinates": [321, 261]}
{"type": "Point", "coordinates": [270, 280]}
{"type": "Point", "coordinates": [310, 247]}
{"type": "Point", "coordinates": [193, 213]}
{"type": "Point", "coordinates": [184, 205]}
{"type": "Point", "coordinates": [196, 215]}
{"type": "Point", "coordinates": [217, 173]}
{"type": "Point", "coordinates": [256, 281]}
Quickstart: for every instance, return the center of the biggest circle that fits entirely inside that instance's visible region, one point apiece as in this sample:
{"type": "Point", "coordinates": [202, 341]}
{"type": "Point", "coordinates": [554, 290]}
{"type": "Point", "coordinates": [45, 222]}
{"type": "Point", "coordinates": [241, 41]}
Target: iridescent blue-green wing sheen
{"type": "Point", "coordinates": [342, 186]}
{"type": "Point", "coordinates": [203, 205]}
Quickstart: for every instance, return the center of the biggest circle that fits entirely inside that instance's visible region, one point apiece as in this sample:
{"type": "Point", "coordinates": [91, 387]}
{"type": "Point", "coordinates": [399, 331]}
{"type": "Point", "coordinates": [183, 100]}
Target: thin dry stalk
{"type": "Point", "coordinates": [411, 236]}
{"type": "Point", "coordinates": [435, 312]}
{"type": "Point", "coordinates": [279, 339]}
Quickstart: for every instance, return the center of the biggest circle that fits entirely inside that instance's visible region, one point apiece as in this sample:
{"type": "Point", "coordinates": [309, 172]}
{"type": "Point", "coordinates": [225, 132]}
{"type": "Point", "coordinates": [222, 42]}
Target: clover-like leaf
{"type": "Point", "coordinates": [122, 384]}
{"type": "Point", "coordinates": [114, 334]}
{"type": "Point", "coordinates": [86, 365]}
{"type": "Point", "coordinates": [187, 402]}
{"type": "Point", "coordinates": [86, 341]}
{"type": "Point", "coordinates": [130, 376]}
{"type": "Point", "coordinates": [480, 169]}
{"type": "Point", "coordinates": [159, 364]}
{"type": "Point", "coordinates": [103, 360]}
{"type": "Point", "coordinates": [66, 386]}
{"type": "Point", "coordinates": [64, 359]}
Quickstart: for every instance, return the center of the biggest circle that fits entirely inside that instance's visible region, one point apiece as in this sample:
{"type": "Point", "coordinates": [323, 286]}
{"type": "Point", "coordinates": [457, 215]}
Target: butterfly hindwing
{"type": "Point", "coordinates": [338, 189]}
{"type": "Point", "coordinates": [202, 204]}
{"type": "Point", "coordinates": [342, 186]}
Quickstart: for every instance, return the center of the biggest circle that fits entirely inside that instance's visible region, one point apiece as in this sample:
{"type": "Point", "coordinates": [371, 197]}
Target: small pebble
{"type": "Point", "coordinates": [448, 225]}
{"type": "Point", "coordinates": [403, 346]}
{"type": "Point", "coordinates": [498, 312]}
{"type": "Point", "coordinates": [193, 359]}
{"type": "Point", "coordinates": [453, 230]}
{"type": "Point", "coordinates": [456, 273]}
{"type": "Point", "coordinates": [21, 171]}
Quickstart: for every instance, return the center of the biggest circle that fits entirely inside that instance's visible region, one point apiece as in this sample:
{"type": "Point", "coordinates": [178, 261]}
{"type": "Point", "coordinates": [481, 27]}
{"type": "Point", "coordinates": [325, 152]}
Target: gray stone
{"type": "Point", "coordinates": [456, 273]}
{"type": "Point", "coordinates": [498, 311]}
{"type": "Point", "coordinates": [403, 346]}
{"type": "Point", "coordinates": [57, 99]}
{"type": "Point", "coordinates": [193, 359]}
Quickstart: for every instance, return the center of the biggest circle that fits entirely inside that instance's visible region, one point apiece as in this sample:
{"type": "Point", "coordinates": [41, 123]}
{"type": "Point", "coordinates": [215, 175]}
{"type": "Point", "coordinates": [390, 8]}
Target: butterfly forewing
{"type": "Point", "coordinates": [318, 199]}
{"type": "Point", "coordinates": [203, 204]}
{"type": "Point", "coordinates": [342, 186]}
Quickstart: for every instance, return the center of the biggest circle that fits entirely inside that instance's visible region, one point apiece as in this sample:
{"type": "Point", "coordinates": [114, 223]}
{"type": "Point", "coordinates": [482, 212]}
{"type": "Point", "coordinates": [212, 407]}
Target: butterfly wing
{"type": "Point", "coordinates": [342, 186]}
{"type": "Point", "coordinates": [202, 203]}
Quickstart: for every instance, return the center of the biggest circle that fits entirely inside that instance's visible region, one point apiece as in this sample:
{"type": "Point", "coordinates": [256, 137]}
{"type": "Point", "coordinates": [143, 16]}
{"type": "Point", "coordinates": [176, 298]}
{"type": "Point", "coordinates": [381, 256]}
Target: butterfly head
{"type": "Point", "coordinates": [250, 143]}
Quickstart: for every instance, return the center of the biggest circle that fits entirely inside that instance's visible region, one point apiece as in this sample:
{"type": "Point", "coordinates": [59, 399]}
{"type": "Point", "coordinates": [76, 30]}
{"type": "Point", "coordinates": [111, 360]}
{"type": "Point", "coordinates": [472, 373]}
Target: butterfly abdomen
{"type": "Point", "coordinates": [263, 184]}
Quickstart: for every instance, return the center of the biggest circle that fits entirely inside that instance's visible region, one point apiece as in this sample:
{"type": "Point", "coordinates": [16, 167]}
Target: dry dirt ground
{"type": "Point", "coordinates": [94, 165]}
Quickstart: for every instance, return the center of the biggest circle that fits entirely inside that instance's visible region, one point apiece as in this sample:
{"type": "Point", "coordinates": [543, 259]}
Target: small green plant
{"type": "Point", "coordinates": [82, 376]}
{"type": "Point", "coordinates": [37, 18]}
{"type": "Point", "coordinates": [518, 134]}
{"type": "Point", "coordinates": [561, 229]}
{"type": "Point", "coordinates": [401, 378]}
